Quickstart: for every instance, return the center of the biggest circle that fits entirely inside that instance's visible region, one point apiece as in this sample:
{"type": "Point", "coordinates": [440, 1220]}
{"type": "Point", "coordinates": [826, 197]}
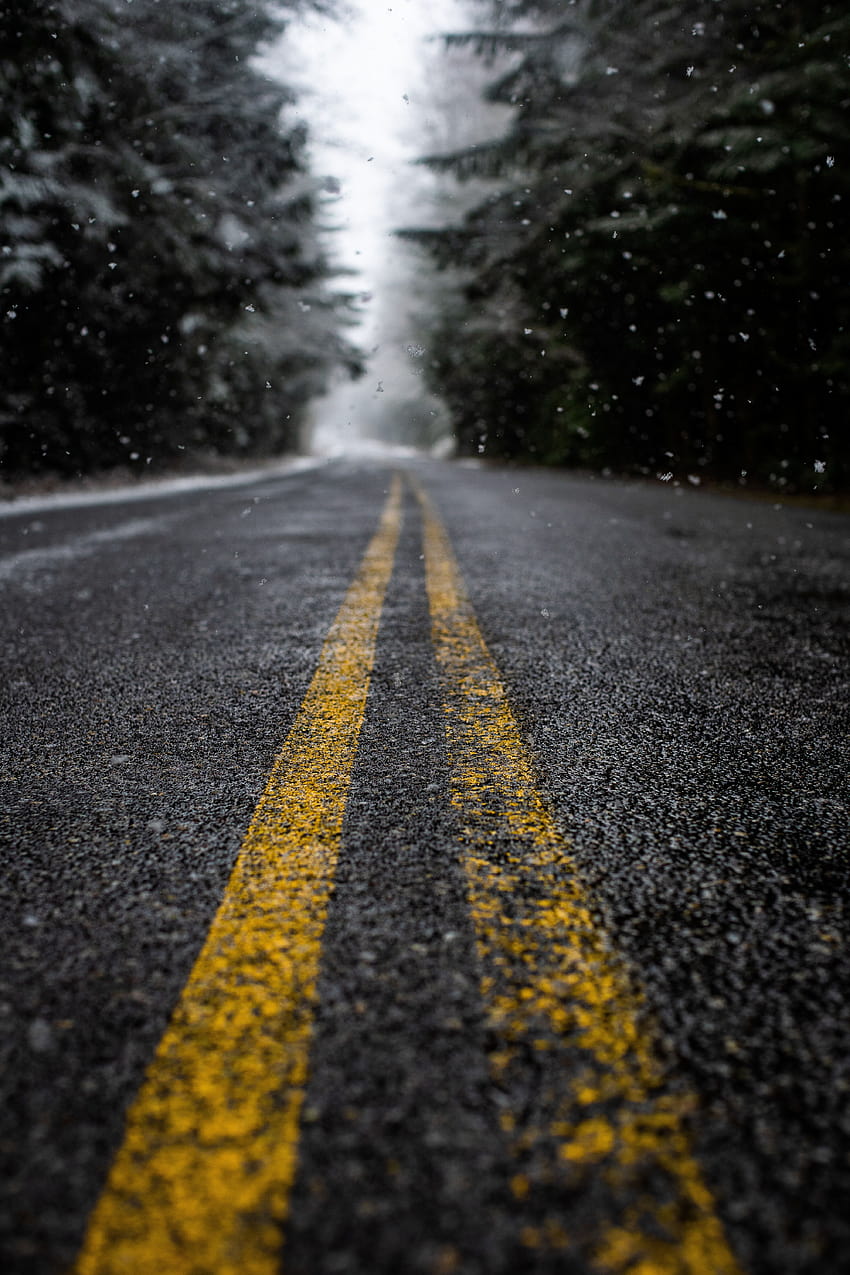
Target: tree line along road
{"type": "Point", "coordinates": [424, 868]}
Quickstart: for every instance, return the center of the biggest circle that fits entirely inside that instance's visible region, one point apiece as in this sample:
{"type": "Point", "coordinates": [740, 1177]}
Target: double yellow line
{"type": "Point", "coordinates": [201, 1183]}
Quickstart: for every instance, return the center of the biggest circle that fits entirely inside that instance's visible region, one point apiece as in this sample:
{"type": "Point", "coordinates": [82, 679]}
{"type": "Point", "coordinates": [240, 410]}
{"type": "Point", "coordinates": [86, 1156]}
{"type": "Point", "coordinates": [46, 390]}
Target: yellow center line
{"type": "Point", "coordinates": [201, 1183]}
{"type": "Point", "coordinates": [586, 1108]}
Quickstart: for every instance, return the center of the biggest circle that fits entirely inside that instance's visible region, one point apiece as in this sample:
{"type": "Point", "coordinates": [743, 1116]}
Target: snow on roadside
{"type": "Point", "coordinates": [28, 562]}
{"type": "Point", "coordinates": [156, 487]}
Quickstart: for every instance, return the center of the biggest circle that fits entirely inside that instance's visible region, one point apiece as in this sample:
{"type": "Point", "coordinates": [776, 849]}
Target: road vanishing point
{"type": "Point", "coordinates": [420, 868]}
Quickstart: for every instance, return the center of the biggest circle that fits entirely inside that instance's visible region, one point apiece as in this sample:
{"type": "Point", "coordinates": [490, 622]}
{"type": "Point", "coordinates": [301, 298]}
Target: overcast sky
{"type": "Point", "coordinates": [364, 94]}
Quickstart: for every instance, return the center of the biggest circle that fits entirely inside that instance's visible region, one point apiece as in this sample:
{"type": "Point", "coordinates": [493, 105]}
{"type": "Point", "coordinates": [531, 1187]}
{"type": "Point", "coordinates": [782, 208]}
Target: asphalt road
{"type": "Point", "coordinates": [671, 1083]}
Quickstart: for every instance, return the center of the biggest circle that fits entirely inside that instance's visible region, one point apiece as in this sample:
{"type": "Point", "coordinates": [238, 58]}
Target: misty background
{"type": "Point", "coordinates": [595, 234]}
{"type": "Point", "coordinates": [377, 89]}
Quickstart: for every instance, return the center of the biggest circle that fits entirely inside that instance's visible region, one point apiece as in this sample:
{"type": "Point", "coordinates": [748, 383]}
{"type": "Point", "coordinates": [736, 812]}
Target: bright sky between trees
{"type": "Point", "coordinates": [364, 97]}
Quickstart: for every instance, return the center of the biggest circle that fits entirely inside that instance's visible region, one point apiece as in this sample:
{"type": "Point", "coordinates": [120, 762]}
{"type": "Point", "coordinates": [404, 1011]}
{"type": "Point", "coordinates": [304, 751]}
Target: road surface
{"type": "Point", "coordinates": [416, 867]}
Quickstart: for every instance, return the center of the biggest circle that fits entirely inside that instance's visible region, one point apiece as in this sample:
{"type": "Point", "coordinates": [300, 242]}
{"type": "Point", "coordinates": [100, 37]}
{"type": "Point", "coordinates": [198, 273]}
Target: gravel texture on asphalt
{"type": "Point", "coordinates": [678, 662]}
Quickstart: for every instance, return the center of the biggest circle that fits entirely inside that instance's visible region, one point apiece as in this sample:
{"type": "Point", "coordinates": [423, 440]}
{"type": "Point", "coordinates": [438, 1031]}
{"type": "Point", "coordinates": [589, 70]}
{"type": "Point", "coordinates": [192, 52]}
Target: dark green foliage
{"type": "Point", "coordinates": [669, 222]}
{"type": "Point", "coordinates": [159, 256]}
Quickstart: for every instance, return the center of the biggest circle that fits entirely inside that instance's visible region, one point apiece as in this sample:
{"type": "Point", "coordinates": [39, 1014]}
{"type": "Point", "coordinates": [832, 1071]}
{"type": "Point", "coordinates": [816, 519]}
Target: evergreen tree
{"type": "Point", "coordinates": [658, 277]}
{"type": "Point", "coordinates": [162, 287]}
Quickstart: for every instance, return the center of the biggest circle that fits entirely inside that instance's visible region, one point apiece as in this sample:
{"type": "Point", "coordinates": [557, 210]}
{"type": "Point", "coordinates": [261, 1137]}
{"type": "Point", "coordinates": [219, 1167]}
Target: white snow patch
{"type": "Point", "coordinates": [30, 560]}
{"type": "Point", "coordinates": [157, 487]}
